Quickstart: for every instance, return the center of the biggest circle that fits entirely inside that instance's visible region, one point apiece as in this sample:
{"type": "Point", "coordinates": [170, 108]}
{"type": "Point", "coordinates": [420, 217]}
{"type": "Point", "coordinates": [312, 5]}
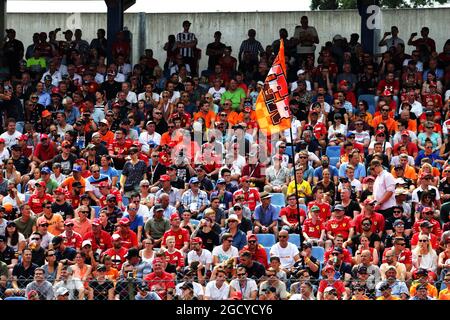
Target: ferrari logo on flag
{"type": "Point", "coordinates": [272, 105]}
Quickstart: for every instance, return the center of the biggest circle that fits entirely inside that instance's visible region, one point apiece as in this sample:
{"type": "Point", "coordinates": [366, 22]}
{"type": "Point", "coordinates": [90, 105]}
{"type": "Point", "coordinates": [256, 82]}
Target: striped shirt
{"type": "Point", "coordinates": [186, 37]}
{"type": "Point", "coordinates": [251, 45]}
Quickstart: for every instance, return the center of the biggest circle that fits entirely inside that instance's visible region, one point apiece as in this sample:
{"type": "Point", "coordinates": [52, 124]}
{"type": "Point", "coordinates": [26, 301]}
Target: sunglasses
{"type": "Point", "coordinates": [95, 171]}
{"type": "Point", "coordinates": [241, 274]}
{"type": "Point", "coordinates": [282, 237]}
{"type": "Point", "coordinates": [252, 241]}
{"type": "Point", "coordinates": [43, 225]}
{"type": "Point", "coordinates": [366, 224]}
{"type": "Point", "coordinates": [51, 255]}
{"type": "Point", "coordinates": [423, 240]}
{"type": "Point", "coordinates": [69, 225]}
{"type": "Point", "coordinates": [401, 244]}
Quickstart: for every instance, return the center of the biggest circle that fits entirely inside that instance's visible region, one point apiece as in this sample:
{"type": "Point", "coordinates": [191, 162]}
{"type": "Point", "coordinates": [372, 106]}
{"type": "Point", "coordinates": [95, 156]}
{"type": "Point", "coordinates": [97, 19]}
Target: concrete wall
{"type": "Point", "coordinates": [234, 26]}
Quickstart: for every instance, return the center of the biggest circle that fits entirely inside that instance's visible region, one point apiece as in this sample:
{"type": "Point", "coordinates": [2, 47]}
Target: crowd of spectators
{"type": "Point", "coordinates": [153, 181]}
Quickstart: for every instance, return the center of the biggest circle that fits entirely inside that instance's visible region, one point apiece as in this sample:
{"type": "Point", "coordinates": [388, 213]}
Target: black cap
{"type": "Point", "coordinates": [16, 147]}
{"type": "Point", "coordinates": [101, 267]}
{"type": "Point", "coordinates": [132, 252]}
{"type": "Point", "coordinates": [158, 207]}
{"type": "Point", "coordinates": [362, 269]}
{"type": "Point", "coordinates": [187, 285]}
{"type": "Point", "coordinates": [143, 286]}
{"type": "Point", "coordinates": [338, 250]}
{"type": "Point", "coordinates": [57, 240]}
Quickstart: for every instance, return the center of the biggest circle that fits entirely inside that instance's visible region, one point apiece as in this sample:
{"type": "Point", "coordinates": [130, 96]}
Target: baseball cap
{"type": "Point", "coordinates": [244, 179]}
{"type": "Point", "coordinates": [101, 267]}
{"type": "Point", "coordinates": [124, 221]}
{"type": "Point", "coordinates": [59, 190]}
{"type": "Point", "coordinates": [233, 217]}
{"type": "Point", "coordinates": [339, 207]}
{"type": "Point", "coordinates": [379, 132]}
{"type": "Point", "coordinates": [158, 207]}
{"type": "Point", "coordinates": [314, 208]}
{"type": "Point", "coordinates": [86, 243]}
{"type": "Point", "coordinates": [68, 222]}
{"type": "Point", "coordinates": [220, 180]}
{"type": "Point", "coordinates": [329, 289]}
{"type": "Point", "coordinates": [16, 147]}
{"type": "Point", "coordinates": [46, 114]}
{"type": "Point", "coordinates": [164, 177]}
{"type": "Point", "coordinates": [426, 224]}
{"type": "Point", "coordinates": [197, 240]}
{"type": "Point", "coordinates": [369, 201]}
{"type": "Point", "coordinates": [46, 170]}
{"type": "Point", "coordinates": [57, 240]}
{"type": "Point", "coordinates": [65, 143]}
{"type": "Point", "coordinates": [96, 222]}
{"type": "Point", "coordinates": [40, 183]}
{"type": "Point", "coordinates": [338, 250]}
{"type": "Point", "coordinates": [174, 216]}
{"type": "Point", "coordinates": [252, 236]}
{"type": "Point", "coordinates": [193, 180]}
{"type": "Point", "coordinates": [132, 252]}
{"type": "Point", "coordinates": [62, 291]}
{"type": "Point", "coordinates": [44, 136]}
{"type": "Point", "coordinates": [76, 168]}
{"type": "Point", "coordinates": [387, 93]}
{"type": "Point", "coordinates": [398, 222]}
{"type": "Point", "coordinates": [111, 197]}
{"type": "Point", "coordinates": [368, 178]}
{"type": "Point", "coordinates": [23, 137]}
{"type": "Point", "coordinates": [362, 269]}
{"type": "Point", "coordinates": [116, 236]}
{"type": "Point", "coordinates": [301, 71]}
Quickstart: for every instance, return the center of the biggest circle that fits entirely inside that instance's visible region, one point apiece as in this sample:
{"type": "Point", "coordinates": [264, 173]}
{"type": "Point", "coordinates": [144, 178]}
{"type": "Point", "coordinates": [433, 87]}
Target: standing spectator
{"type": "Point", "coordinates": [383, 189]}
{"type": "Point", "coordinates": [187, 43]}
{"type": "Point", "coordinates": [305, 37]}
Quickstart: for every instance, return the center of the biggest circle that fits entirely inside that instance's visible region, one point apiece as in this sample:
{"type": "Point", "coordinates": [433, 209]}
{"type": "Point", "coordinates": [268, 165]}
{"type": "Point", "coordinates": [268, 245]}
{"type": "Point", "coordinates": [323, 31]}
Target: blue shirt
{"type": "Point", "coordinates": [44, 99]}
{"type": "Point", "coordinates": [422, 155]}
{"type": "Point", "coordinates": [138, 221]}
{"type": "Point", "coordinates": [73, 116]}
{"type": "Point", "coordinates": [239, 239]}
{"type": "Point", "coordinates": [225, 200]}
{"type": "Point", "coordinates": [111, 172]}
{"type": "Point", "coordinates": [333, 172]}
{"type": "Point", "coordinates": [266, 217]}
{"type": "Point", "coordinates": [397, 288]}
{"type": "Point", "coordinates": [360, 170]}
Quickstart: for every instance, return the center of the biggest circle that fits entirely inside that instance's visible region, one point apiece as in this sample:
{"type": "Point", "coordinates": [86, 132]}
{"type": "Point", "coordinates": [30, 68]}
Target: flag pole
{"type": "Point", "coordinates": [295, 184]}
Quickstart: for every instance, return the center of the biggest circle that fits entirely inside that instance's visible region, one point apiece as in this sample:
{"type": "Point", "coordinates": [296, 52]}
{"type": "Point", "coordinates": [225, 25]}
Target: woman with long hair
{"type": "Point", "coordinates": [14, 238]}
{"type": "Point", "coordinates": [51, 266]}
{"type": "Point", "coordinates": [424, 256]}
{"type": "Point", "coordinates": [10, 172]}
{"type": "Point", "coordinates": [81, 270]}
{"type": "Point", "coordinates": [147, 254]}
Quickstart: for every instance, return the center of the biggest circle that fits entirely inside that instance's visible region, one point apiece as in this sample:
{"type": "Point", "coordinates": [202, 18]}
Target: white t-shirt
{"type": "Point", "coordinates": [294, 85]}
{"type": "Point", "coordinates": [286, 255]}
{"type": "Point", "coordinates": [4, 155]}
{"type": "Point", "coordinates": [155, 96]}
{"type": "Point", "coordinates": [246, 291]}
{"type": "Point", "coordinates": [215, 293]}
{"type": "Point", "coordinates": [145, 138]}
{"type": "Point", "coordinates": [204, 258]}
{"type": "Point", "coordinates": [225, 255]}
{"type": "Point", "coordinates": [131, 97]}
{"type": "Point", "coordinates": [10, 140]}
{"type": "Point", "coordinates": [216, 94]}
{"type": "Point", "coordinates": [415, 193]}
{"type": "Point", "coordinates": [294, 125]}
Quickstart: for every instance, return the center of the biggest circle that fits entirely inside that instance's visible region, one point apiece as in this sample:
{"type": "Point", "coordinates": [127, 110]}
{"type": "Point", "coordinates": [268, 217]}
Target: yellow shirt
{"type": "Point", "coordinates": [303, 188]}
{"type": "Point", "coordinates": [431, 290]}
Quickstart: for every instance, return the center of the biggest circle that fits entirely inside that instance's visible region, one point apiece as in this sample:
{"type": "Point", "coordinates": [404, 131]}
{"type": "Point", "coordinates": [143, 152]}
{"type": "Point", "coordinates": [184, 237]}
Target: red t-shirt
{"type": "Point", "coordinates": [292, 214]}
{"type": "Point", "coordinates": [45, 153]}
{"type": "Point", "coordinates": [411, 148]}
{"type": "Point", "coordinates": [251, 197]}
{"type": "Point", "coordinates": [74, 241]}
{"type": "Point", "coordinates": [181, 236]}
{"type": "Point", "coordinates": [319, 130]}
{"type": "Point", "coordinates": [176, 258]}
{"type": "Point", "coordinates": [113, 191]}
{"type": "Point", "coordinates": [120, 148]}
{"type": "Point", "coordinates": [313, 230]}
{"type": "Point", "coordinates": [104, 242]}
{"type": "Point", "coordinates": [340, 226]}
{"type": "Point", "coordinates": [384, 85]}
{"type": "Point", "coordinates": [437, 231]}
{"type": "Point", "coordinates": [129, 239]}
{"type": "Point", "coordinates": [325, 209]}
{"type": "Point", "coordinates": [35, 202]}
{"type": "Point", "coordinates": [347, 257]}
{"type": "Point", "coordinates": [165, 281]}
{"type": "Point", "coordinates": [117, 256]}
{"type": "Point", "coordinates": [377, 219]}
{"type": "Point", "coordinates": [337, 284]}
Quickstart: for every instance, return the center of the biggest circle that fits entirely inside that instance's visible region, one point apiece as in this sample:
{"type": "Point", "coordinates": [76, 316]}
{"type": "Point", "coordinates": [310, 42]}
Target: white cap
{"type": "Point", "coordinates": [115, 236]}
{"type": "Point", "coordinates": [62, 291]}
{"type": "Point", "coordinates": [233, 217]}
{"type": "Point", "coordinates": [301, 71]}
{"type": "Point", "coordinates": [86, 242]}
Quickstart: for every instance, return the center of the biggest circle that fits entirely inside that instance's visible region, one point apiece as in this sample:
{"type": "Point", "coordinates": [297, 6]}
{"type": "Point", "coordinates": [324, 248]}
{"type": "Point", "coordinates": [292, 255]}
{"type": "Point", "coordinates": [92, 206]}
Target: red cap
{"type": "Point", "coordinates": [244, 178]}
{"type": "Point", "coordinates": [68, 221]}
{"type": "Point", "coordinates": [379, 132]}
{"type": "Point", "coordinates": [65, 143]}
{"type": "Point", "coordinates": [343, 83]}
{"type": "Point", "coordinates": [157, 260]}
{"type": "Point", "coordinates": [81, 160]}
{"type": "Point", "coordinates": [427, 209]}
{"type": "Point", "coordinates": [197, 240]}
{"type": "Point", "coordinates": [44, 136]}
{"type": "Point", "coordinates": [96, 222]}
{"type": "Point", "coordinates": [236, 295]}
{"type": "Point", "coordinates": [327, 267]}
{"type": "Point", "coordinates": [41, 183]}
{"type": "Point", "coordinates": [23, 137]}
{"type": "Point", "coordinates": [46, 113]}
{"type": "Point", "coordinates": [174, 216]}
{"type": "Point", "coordinates": [103, 184]}
{"type": "Point", "coordinates": [124, 221]}
{"type": "Point", "coordinates": [252, 237]}
{"type": "Point", "coordinates": [369, 201]}
{"type": "Point", "coordinates": [368, 178]}
{"type": "Point", "coordinates": [405, 133]}
{"type": "Point", "coordinates": [164, 177]}
{"type": "Point", "coordinates": [2, 140]}
{"type": "Point", "coordinates": [59, 190]}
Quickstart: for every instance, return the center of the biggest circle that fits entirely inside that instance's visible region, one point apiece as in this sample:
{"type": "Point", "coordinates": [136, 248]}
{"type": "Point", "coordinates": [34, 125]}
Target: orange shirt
{"type": "Point", "coordinates": [108, 138]}
{"type": "Point", "coordinates": [209, 117]}
{"type": "Point", "coordinates": [444, 294]}
{"type": "Point", "coordinates": [112, 274]}
{"type": "Point", "coordinates": [432, 291]}
{"type": "Point", "coordinates": [68, 184]}
{"type": "Point", "coordinates": [53, 223]}
{"type": "Point", "coordinates": [82, 228]}
{"type": "Point", "coordinates": [390, 123]}
{"type": "Point", "coordinates": [167, 138]}
{"type": "Point", "coordinates": [410, 172]}
{"type": "Point", "coordinates": [234, 118]}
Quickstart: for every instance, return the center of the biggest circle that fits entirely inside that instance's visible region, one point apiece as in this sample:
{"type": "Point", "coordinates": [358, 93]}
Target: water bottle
{"type": "Point", "coordinates": [81, 142]}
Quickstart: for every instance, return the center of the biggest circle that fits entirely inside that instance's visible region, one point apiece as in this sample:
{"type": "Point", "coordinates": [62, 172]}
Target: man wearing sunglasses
{"type": "Point", "coordinates": [425, 184]}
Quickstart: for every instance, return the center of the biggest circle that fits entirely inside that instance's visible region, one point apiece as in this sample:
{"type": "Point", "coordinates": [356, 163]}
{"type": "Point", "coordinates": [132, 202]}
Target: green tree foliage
{"type": "Point", "coordinates": [352, 4]}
